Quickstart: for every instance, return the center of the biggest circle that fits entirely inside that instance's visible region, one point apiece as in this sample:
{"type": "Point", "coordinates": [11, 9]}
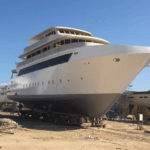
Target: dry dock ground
{"type": "Point", "coordinates": [39, 135]}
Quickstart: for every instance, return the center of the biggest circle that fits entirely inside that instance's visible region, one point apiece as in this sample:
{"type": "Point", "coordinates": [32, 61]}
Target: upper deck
{"type": "Point", "coordinates": [58, 30]}
{"type": "Point", "coordinates": [54, 33]}
{"type": "Point", "coordinates": [46, 42]}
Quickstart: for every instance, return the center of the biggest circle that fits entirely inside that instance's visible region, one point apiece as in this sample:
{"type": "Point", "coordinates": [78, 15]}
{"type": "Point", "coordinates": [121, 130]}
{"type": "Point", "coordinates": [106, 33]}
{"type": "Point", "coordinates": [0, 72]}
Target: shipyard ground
{"type": "Point", "coordinates": [40, 135]}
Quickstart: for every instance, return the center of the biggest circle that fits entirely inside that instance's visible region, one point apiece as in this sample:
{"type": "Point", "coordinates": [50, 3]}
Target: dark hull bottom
{"type": "Point", "coordinates": [90, 105]}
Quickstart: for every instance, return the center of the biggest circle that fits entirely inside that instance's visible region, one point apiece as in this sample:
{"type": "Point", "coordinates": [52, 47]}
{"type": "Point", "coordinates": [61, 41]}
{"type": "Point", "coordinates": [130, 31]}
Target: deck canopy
{"type": "Point", "coordinates": [42, 34]}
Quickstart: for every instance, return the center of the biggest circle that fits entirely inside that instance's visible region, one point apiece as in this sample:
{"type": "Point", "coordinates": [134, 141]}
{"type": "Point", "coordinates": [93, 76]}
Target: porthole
{"type": "Point", "coordinates": [116, 59]}
{"type": "Point", "coordinates": [81, 78]}
{"type": "Point", "coordinates": [68, 80]}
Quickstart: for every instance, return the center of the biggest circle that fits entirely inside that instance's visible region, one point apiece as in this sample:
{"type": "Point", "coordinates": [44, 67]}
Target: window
{"type": "Point", "coordinates": [67, 41]}
{"type": "Point", "coordinates": [54, 45]}
{"type": "Point", "coordinates": [33, 54]}
{"type": "Point", "coordinates": [67, 32]}
{"type": "Point", "coordinates": [72, 32]}
{"type": "Point", "coordinates": [28, 56]}
{"type": "Point", "coordinates": [145, 96]}
{"type": "Point", "coordinates": [48, 48]}
{"type": "Point", "coordinates": [44, 49]}
{"type": "Point", "coordinates": [74, 40]}
{"type": "Point", "coordinates": [88, 41]}
{"type": "Point", "coordinates": [41, 65]}
{"type": "Point", "coordinates": [62, 42]}
{"type": "Point", "coordinates": [48, 63]}
{"type": "Point", "coordinates": [81, 40]}
{"type": "Point", "coordinates": [50, 33]}
{"type": "Point", "coordinates": [61, 31]}
{"type": "Point", "coordinates": [38, 52]}
{"type": "Point", "coordinates": [141, 97]}
{"type": "Point", "coordinates": [54, 32]}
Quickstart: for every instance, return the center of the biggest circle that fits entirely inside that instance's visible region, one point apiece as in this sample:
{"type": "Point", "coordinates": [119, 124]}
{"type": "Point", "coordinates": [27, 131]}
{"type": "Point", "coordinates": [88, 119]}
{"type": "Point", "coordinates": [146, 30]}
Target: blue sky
{"type": "Point", "coordinates": [119, 22]}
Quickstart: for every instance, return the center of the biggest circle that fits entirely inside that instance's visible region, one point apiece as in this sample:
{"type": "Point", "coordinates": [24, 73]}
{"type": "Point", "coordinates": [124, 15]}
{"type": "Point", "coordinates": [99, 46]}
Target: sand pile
{"type": "Point", "coordinates": [7, 123]}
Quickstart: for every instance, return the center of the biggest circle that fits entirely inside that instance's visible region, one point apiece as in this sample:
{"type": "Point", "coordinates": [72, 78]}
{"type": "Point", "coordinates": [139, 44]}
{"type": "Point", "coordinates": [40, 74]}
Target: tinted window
{"type": "Point", "coordinates": [38, 52]}
{"type": "Point", "coordinates": [41, 65]}
{"type": "Point", "coordinates": [88, 41]}
{"type": "Point", "coordinates": [74, 40]}
{"type": "Point", "coordinates": [81, 40]}
{"type": "Point", "coordinates": [61, 31]}
{"type": "Point", "coordinates": [62, 42]}
{"type": "Point", "coordinates": [67, 32]}
{"type": "Point", "coordinates": [33, 54]}
{"type": "Point", "coordinates": [67, 41]}
{"type": "Point", "coordinates": [45, 64]}
{"type": "Point", "coordinates": [28, 56]}
{"type": "Point", "coordinates": [48, 47]}
{"type": "Point", "coordinates": [77, 33]}
{"type": "Point", "coordinates": [54, 45]}
{"type": "Point", "coordinates": [44, 49]}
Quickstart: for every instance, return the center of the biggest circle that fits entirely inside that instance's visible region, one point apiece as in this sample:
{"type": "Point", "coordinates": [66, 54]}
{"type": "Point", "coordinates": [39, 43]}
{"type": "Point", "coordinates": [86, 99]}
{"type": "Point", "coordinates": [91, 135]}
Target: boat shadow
{"type": "Point", "coordinates": [29, 123]}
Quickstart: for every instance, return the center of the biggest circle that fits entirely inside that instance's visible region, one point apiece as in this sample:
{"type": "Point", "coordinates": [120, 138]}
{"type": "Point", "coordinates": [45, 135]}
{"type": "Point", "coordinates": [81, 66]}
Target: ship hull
{"type": "Point", "coordinates": [90, 105]}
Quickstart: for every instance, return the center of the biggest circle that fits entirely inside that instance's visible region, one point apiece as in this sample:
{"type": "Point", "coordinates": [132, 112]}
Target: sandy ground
{"type": "Point", "coordinates": [39, 135]}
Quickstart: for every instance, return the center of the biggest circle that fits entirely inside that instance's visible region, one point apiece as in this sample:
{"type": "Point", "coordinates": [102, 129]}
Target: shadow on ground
{"type": "Point", "coordinates": [40, 124]}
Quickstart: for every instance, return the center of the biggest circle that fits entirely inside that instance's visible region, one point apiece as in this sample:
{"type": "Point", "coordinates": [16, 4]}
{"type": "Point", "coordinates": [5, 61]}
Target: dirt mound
{"type": "Point", "coordinates": [7, 123]}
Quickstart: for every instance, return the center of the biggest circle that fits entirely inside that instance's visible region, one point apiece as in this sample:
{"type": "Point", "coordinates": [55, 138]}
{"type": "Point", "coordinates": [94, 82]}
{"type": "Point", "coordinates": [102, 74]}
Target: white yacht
{"type": "Point", "coordinates": [69, 71]}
